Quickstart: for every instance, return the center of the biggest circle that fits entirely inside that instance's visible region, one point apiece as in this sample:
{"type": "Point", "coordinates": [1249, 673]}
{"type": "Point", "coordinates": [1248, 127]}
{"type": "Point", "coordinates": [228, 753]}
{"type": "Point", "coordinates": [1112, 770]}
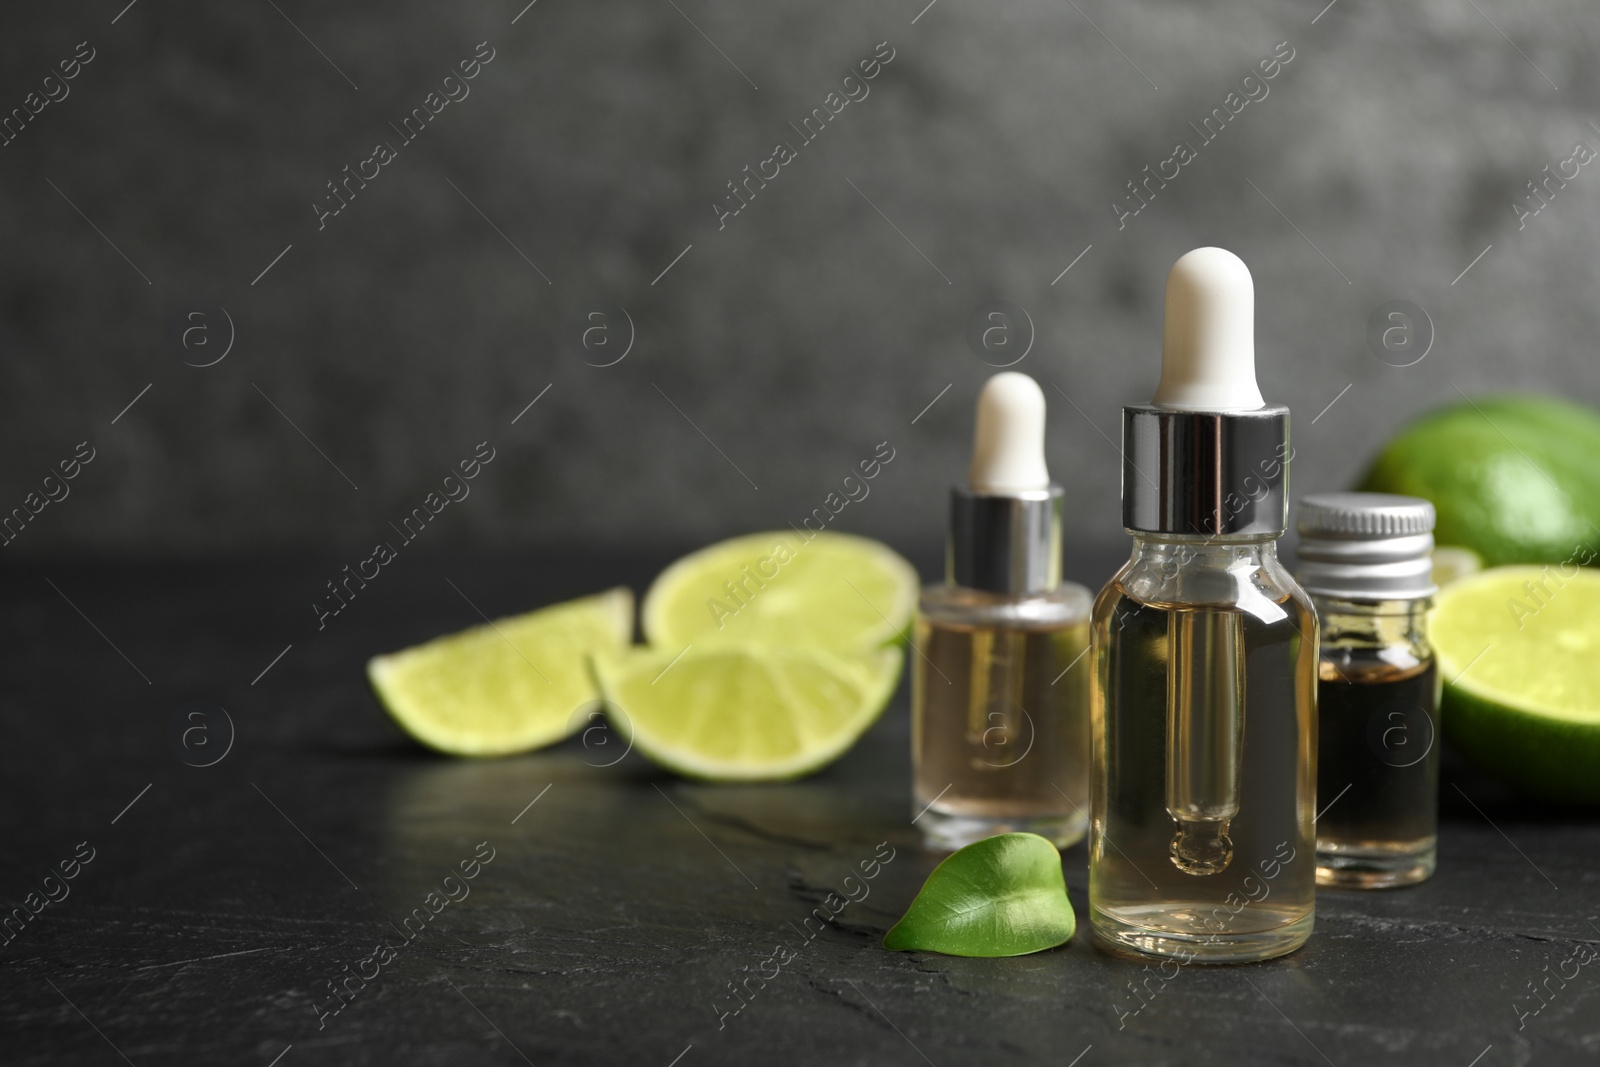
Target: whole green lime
{"type": "Point", "coordinates": [1515, 478]}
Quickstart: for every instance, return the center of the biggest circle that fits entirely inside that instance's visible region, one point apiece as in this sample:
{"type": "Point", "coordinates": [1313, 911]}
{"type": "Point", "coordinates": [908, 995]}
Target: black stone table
{"type": "Point", "coordinates": [212, 906]}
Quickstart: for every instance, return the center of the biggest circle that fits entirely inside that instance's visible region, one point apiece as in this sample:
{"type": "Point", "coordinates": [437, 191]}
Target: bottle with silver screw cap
{"type": "Point", "coordinates": [1366, 560]}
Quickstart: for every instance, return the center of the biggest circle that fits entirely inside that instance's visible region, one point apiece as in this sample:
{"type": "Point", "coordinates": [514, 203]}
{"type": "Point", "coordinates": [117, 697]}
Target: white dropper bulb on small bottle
{"type": "Point", "coordinates": [1208, 353]}
{"type": "Point", "coordinates": [1008, 443]}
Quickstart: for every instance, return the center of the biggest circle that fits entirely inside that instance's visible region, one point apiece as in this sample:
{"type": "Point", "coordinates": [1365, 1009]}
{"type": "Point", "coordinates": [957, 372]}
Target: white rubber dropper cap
{"type": "Point", "coordinates": [1008, 445]}
{"type": "Point", "coordinates": [1208, 354]}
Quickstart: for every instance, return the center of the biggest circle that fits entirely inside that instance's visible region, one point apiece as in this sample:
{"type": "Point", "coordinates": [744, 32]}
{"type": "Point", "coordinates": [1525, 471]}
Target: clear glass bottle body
{"type": "Point", "coordinates": [1000, 714]}
{"type": "Point", "coordinates": [1378, 754]}
{"type": "Point", "coordinates": [1205, 729]}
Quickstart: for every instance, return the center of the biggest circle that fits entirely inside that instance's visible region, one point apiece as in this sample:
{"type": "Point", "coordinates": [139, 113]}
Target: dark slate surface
{"type": "Point", "coordinates": [617, 908]}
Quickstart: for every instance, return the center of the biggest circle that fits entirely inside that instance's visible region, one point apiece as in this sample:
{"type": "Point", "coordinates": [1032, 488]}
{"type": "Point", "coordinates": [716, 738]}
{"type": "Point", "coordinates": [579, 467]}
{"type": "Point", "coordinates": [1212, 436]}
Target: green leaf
{"type": "Point", "coordinates": [1002, 896]}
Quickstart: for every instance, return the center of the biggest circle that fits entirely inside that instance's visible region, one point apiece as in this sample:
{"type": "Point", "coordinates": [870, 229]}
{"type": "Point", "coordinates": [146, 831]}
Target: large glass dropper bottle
{"type": "Point", "coordinates": [1205, 656]}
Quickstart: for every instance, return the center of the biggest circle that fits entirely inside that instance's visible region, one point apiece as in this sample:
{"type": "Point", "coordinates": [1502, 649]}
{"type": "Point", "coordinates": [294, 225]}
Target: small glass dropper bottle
{"type": "Point", "coordinates": [1205, 658]}
{"type": "Point", "coordinates": [1366, 560]}
{"type": "Point", "coordinates": [999, 699]}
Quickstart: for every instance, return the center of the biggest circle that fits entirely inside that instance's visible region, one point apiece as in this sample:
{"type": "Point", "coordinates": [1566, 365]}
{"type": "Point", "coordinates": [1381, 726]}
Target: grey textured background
{"type": "Point", "coordinates": [802, 334]}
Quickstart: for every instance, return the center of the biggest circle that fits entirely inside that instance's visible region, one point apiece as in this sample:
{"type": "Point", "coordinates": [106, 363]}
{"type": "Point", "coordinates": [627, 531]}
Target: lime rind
{"type": "Point", "coordinates": [1511, 476]}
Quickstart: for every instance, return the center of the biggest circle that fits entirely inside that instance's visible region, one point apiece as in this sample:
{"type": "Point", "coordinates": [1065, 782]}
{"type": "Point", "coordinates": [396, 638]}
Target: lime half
{"type": "Point", "coordinates": [1519, 648]}
{"type": "Point", "coordinates": [746, 712]}
{"type": "Point", "coordinates": [833, 590]}
{"type": "Point", "coordinates": [509, 686]}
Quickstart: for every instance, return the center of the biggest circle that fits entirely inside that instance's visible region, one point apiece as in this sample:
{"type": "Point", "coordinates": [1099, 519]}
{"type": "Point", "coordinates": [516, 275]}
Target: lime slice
{"type": "Point", "coordinates": [1519, 648]}
{"type": "Point", "coordinates": [746, 712]}
{"type": "Point", "coordinates": [509, 686]}
{"type": "Point", "coordinates": [835, 590]}
{"type": "Point", "coordinates": [1451, 562]}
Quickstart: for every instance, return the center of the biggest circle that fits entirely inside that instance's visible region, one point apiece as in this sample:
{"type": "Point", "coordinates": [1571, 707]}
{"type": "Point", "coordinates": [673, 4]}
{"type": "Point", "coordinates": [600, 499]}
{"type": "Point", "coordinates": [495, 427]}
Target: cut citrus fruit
{"type": "Point", "coordinates": [1452, 561]}
{"type": "Point", "coordinates": [508, 686]}
{"type": "Point", "coordinates": [746, 712]}
{"type": "Point", "coordinates": [835, 590]}
{"type": "Point", "coordinates": [1519, 648]}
